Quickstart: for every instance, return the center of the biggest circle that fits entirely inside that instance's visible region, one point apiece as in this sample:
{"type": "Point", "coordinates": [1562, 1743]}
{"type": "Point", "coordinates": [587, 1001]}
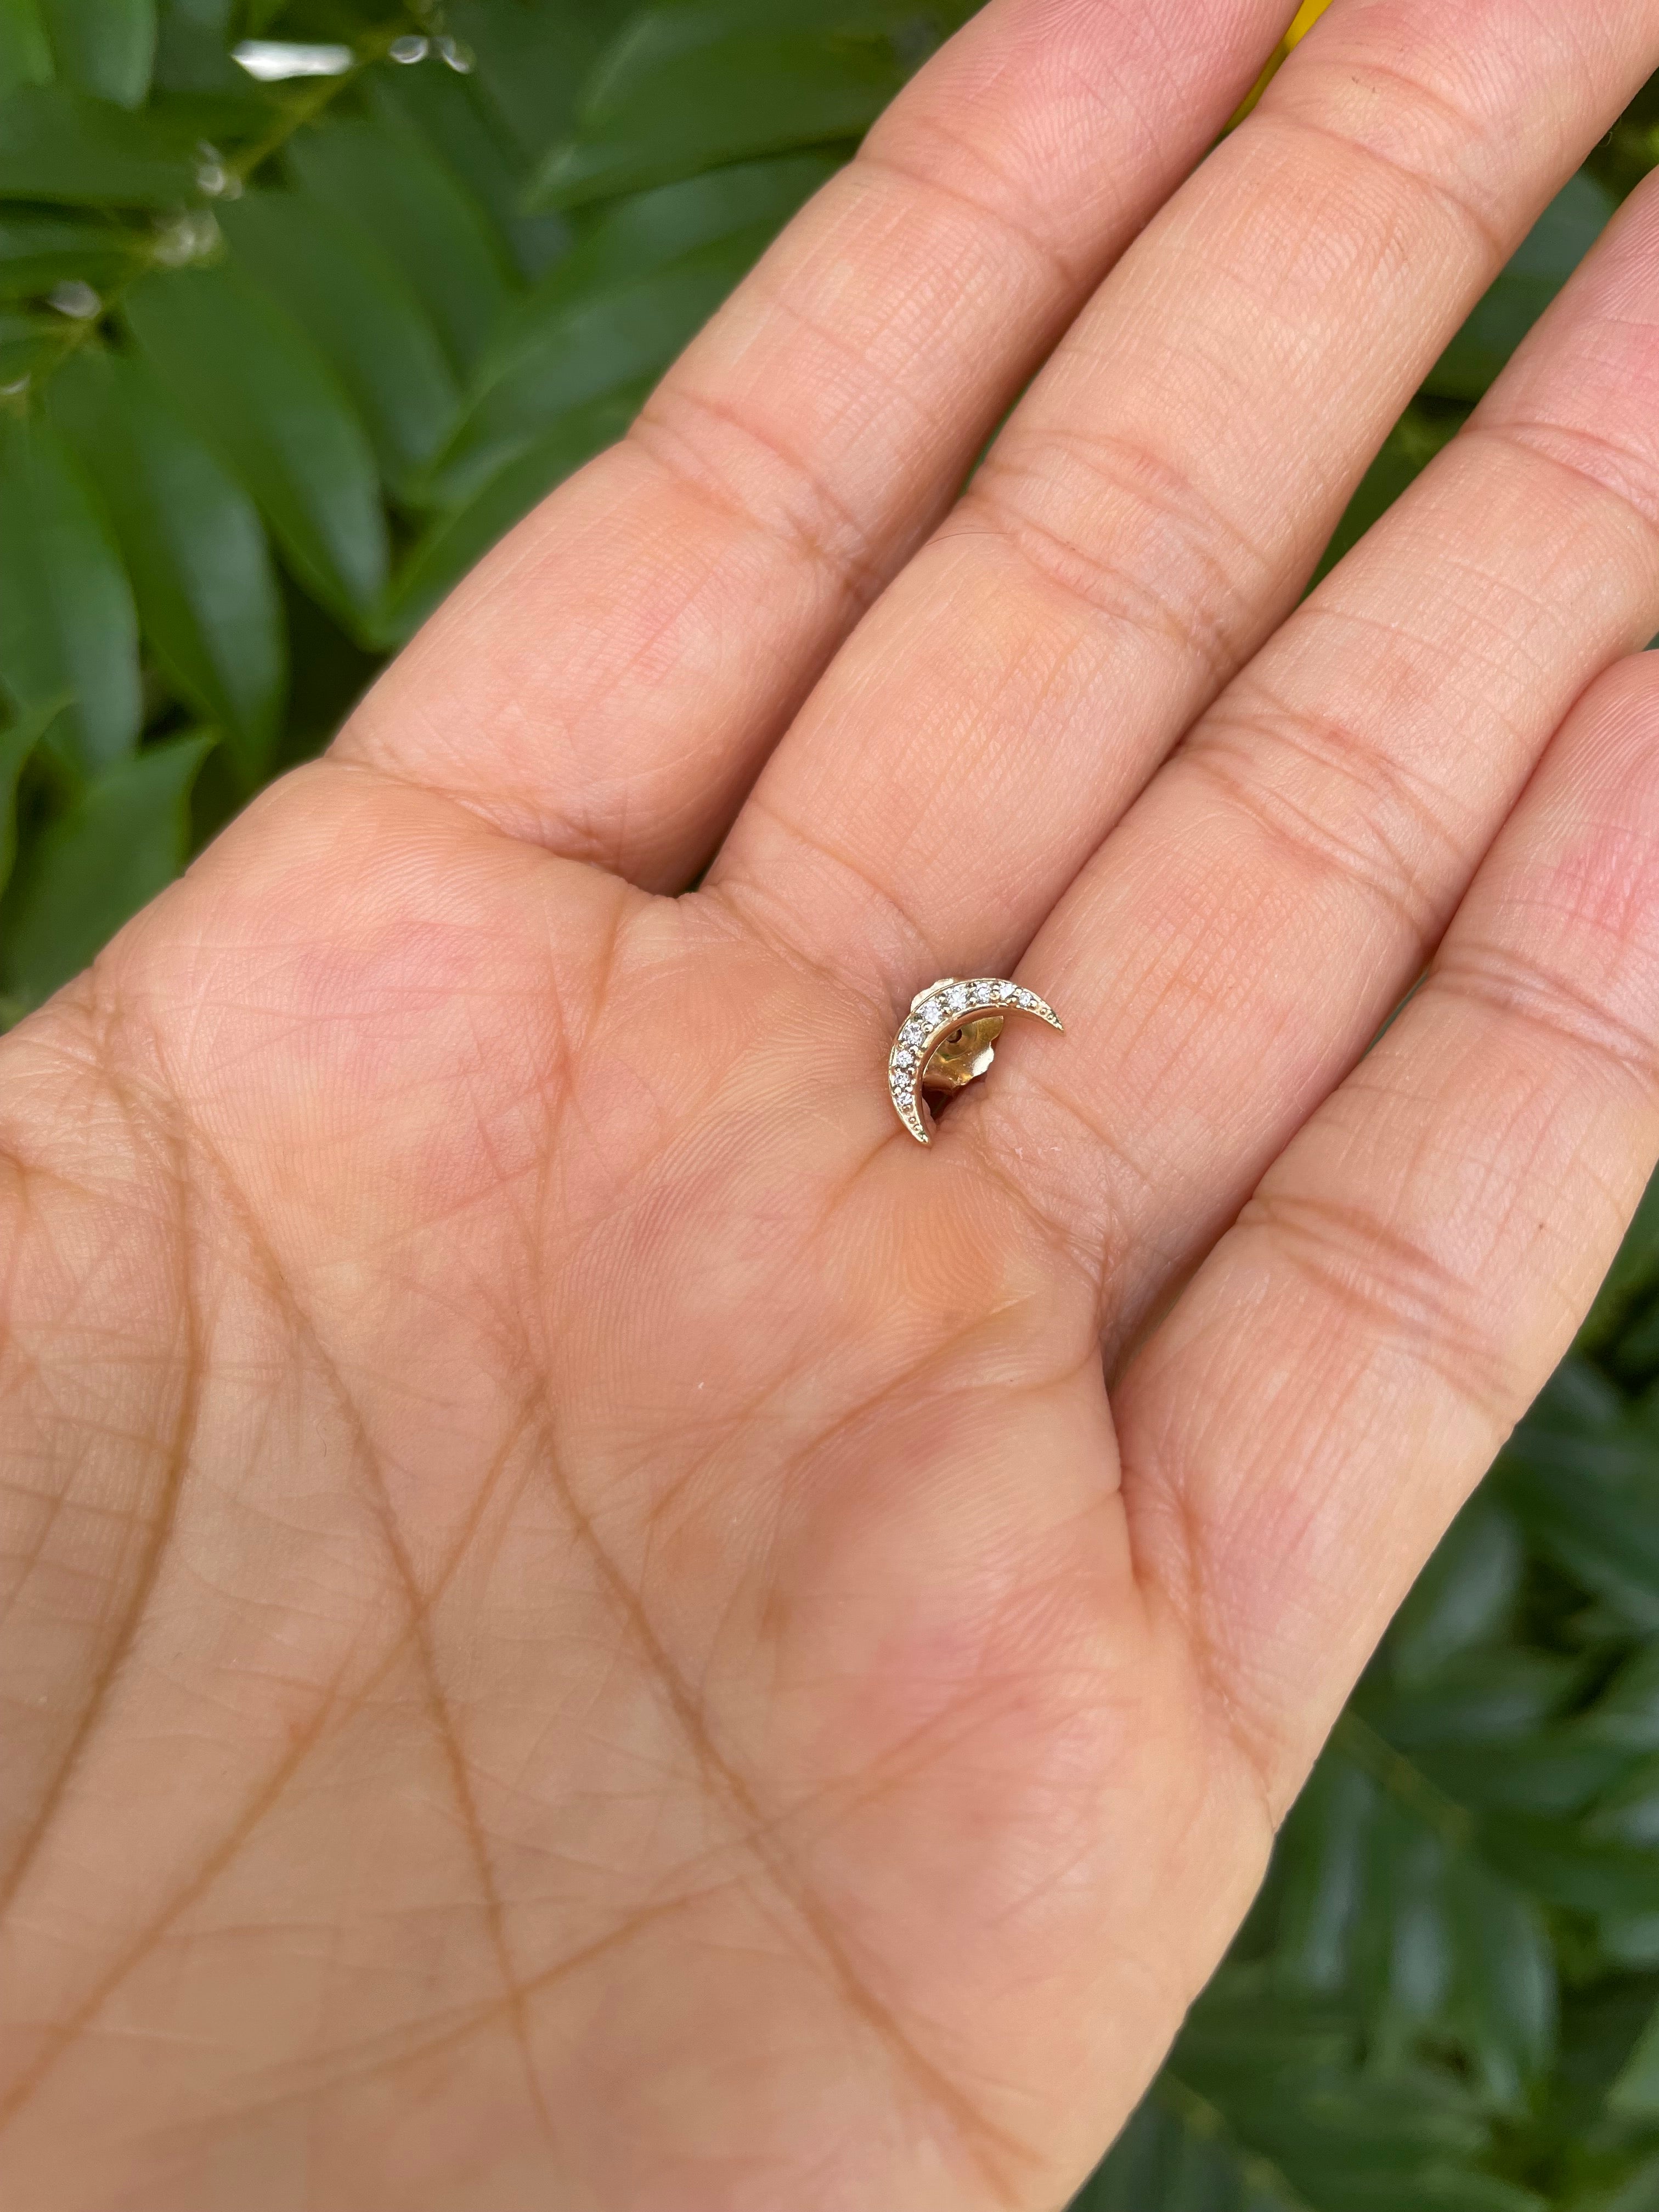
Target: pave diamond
{"type": "Point", "coordinates": [944, 1006]}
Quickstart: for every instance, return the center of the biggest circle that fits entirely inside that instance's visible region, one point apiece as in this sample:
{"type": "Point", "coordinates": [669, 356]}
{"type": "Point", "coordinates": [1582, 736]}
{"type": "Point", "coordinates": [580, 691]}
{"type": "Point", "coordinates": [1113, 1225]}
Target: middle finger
{"type": "Point", "coordinates": [1158, 498]}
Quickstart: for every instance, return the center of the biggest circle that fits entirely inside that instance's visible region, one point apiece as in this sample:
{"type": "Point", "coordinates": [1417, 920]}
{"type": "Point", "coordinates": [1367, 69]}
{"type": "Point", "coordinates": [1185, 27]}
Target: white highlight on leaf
{"type": "Point", "coordinates": [270, 60]}
{"type": "Point", "coordinates": [73, 298]}
{"type": "Point", "coordinates": [190, 238]}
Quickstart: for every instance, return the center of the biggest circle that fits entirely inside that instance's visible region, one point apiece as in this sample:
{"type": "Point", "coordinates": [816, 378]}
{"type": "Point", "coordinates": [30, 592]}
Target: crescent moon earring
{"type": "Point", "coordinates": [948, 1040]}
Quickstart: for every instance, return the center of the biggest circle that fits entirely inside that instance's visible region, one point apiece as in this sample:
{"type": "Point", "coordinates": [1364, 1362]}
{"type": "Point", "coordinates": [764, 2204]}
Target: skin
{"type": "Point", "coordinates": [584, 1623]}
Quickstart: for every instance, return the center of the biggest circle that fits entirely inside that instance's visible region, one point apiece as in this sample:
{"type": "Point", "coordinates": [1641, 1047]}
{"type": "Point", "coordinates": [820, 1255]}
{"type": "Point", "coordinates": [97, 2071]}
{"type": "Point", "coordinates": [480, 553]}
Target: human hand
{"type": "Point", "coordinates": [580, 1628]}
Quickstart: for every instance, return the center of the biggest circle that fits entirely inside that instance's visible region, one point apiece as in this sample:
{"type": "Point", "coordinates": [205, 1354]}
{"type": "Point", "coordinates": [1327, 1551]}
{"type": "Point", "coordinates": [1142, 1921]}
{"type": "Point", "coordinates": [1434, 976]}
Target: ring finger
{"type": "Point", "coordinates": [1303, 852]}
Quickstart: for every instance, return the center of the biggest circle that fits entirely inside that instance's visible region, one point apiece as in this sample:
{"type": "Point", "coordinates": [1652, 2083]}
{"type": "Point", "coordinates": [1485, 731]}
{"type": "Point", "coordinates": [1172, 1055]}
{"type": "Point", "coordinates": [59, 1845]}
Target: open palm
{"type": "Point", "coordinates": [579, 1631]}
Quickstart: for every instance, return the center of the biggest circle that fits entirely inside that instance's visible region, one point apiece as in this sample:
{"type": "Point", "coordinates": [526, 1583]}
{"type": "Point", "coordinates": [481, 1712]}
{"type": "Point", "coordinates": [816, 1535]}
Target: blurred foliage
{"type": "Point", "coordinates": [281, 356]}
{"type": "Point", "coordinates": [279, 359]}
{"type": "Point", "coordinates": [1447, 1995]}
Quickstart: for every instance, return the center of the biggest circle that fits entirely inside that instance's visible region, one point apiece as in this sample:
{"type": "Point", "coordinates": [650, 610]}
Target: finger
{"type": "Point", "coordinates": [607, 681]}
{"type": "Point", "coordinates": [1344, 1366]}
{"type": "Point", "coordinates": [1238, 940]}
{"type": "Point", "coordinates": [1158, 501]}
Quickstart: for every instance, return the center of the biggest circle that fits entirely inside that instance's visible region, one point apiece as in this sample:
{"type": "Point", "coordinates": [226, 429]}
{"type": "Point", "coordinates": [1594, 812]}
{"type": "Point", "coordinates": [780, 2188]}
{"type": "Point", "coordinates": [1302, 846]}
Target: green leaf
{"type": "Point", "coordinates": [619, 307]}
{"type": "Point", "coordinates": [1629, 1812]}
{"type": "Point", "coordinates": [1635, 1357]}
{"type": "Point", "coordinates": [1563, 1864]}
{"type": "Point", "coordinates": [1503, 2005]}
{"type": "Point", "coordinates": [1464, 1596]}
{"type": "Point", "coordinates": [1637, 2190]}
{"type": "Point", "coordinates": [1320, 1864]}
{"type": "Point", "coordinates": [67, 621]}
{"type": "Point", "coordinates": [38, 252]}
{"type": "Point", "coordinates": [1404, 1952]}
{"type": "Point", "coordinates": [1632, 1278]}
{"type": "Point", "coordinates": [1564, 234]}
{"type": "Point", "coordinates": [29, 345]}
{"type": "Point", "coordinates": [104, 46]}
{"type": "Point", "coordinates": [1551, 1771]}
{"type": "Point", "coordinates": [455, 544]}
{"type": "Point", "coordinates": [618, 245]}
{"type": "Point", "coordinates": [620, 341]}
{"type": "Point", "coordinates": [1602, 2023]}
{"type": "Point", "coordinates": [16, 743]}
{"type": "Point", "coordinates": [693, 84]}
{"type": "Point", "coordinates": [1384, 1887]}
{"type": "Point", "coordinates": [118, 842]}
{"type": "Point", "coordinates": [1630, 1939]}
{"type": "Point", "coordinates": [25, 49]}
{"type": "Point", "coordinates": [531, 63]}
{"type": "Point", "coordinates": [1582, 1479]}
{"type": "Point", "coordinates": [1627, 1713]}
{"type": "Point", "coordinates": [361, 315]}
{"type": "Point", "coordinates": [56, 144]}
{"type": "Point", "coordinates": [1272, 2089]}
{"type": "Point", "coordinates": [1635, 2094]}
{"type": "Point", "coordinates": [192, 49]}
{"type": "Point", "coordinates": [428, 227]}
{"type": "Point", "coordinates": [1179, 2155]}
{"type": "Point", "coordinates": [1478, 1697]}
{"type": "Point", "coordinates": [255, 384]}
{"type": "Point", "coordinates": [441, 116]}
{"type": "Point", "coordinates": [194, 545]}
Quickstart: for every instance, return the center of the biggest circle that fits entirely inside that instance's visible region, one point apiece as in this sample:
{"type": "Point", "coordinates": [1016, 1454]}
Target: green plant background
{"type": "Point", "coordinates": [278, 361]}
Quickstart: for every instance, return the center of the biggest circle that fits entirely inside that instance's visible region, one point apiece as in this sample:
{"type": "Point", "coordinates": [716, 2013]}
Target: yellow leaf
{"type": "Point", "coordinates": [1306, 16]}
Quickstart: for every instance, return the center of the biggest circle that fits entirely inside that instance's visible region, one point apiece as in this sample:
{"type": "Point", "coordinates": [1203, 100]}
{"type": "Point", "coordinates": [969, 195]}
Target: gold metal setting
{"type": "Point", "coordinates": [948, 1040]}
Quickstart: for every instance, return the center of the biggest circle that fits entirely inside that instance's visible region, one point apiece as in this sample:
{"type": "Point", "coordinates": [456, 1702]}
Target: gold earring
{"type": "Point", "coordinates": [948, 1040]}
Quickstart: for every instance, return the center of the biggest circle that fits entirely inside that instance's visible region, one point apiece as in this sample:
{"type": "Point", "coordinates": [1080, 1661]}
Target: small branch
{"type": "Point", "coordinates": [1201, 2117]}
{"type": "Point", "coordinates": [370, 47]}
{"type": "Point", "coordinates": [1392, 1770]}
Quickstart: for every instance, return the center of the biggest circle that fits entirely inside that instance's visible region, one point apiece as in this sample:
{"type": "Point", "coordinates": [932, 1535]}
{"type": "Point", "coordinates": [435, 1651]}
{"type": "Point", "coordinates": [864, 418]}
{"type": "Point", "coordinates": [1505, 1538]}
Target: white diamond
{"type": "Point", "coordinates": [1029, 1001]}
{"type": "Point", "coordinates": [912, 1032]}
{"type": "Point", "coordinates": [956, 1001]}
{"type": "Point", "coordinates": [932, 1013]}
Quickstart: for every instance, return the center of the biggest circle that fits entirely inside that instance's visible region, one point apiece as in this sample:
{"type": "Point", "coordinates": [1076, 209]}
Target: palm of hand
{"type": "Point", "coordinates": [727, 1592]}
{"type": "Point", "coordinates": [667, 1691]}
